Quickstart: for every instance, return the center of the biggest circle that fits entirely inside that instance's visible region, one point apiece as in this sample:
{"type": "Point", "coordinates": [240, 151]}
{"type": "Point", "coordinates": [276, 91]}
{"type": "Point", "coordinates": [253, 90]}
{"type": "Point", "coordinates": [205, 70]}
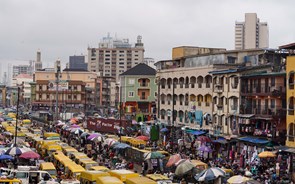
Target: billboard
{"type": "Point", "coordinates": [62, 85]}
{"type": "Point", "coordinates": [106, 125]}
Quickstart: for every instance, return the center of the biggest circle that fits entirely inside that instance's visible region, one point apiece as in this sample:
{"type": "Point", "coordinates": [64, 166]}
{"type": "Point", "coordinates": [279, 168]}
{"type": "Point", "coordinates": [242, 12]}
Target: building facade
{"type": "Point", "coordinates": [77, 62]}
{"type": "Point", "coordinates": [23, 81]}
{"type": "Point", "coordinates": [137, 93]}
{"type": "Point", "coordinates": [115, 56]}
{"type": "Point", "coordinates": [252, 33]}
{"type": "Point", "coordinates": [75, 90]}
{"type": "Point", "coordinates": [21, 69]}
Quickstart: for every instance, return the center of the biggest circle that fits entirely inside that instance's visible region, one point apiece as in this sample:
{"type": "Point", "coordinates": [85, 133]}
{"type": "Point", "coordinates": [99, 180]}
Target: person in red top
{"type": "Point", "coordinates": [112, 154]}
{"type": "Point", "coordinates": [130, 166]}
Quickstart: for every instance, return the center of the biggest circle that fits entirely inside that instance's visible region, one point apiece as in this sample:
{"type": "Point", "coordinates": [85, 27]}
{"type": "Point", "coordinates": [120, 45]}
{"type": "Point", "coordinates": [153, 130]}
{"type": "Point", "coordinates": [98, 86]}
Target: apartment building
{"type": "Point", "coordinates": [252, 33]}
{"type": "Point", "coordinates": [115, 56]}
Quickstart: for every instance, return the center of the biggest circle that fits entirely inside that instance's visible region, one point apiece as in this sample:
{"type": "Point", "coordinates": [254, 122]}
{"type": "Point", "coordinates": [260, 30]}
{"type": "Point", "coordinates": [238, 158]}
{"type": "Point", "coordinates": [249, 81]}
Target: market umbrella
{"type": "Point", "coordinates": [14, 151]}
{"type": "Point", "coordinates": [184, 168]}
{"type": "Point", "coordinates": [6, 157]}
{"type": "Point", "coordinates": [7, 133]}
{"type": "Point", "coordinates": [2, 142]}
{"type": "Point", "coordinates": [173, 160]}
{"type": "Point", "coordinates": [205, 149]}
{"type": "Point", "coordinates": [238, 179]}
{"type": "Point", "coordinates": [266, 154]}
{"type": "Point", "coordinates": [109, 141]}
{"type": "Point", "coordinates": [210, 174]}
{"type": "Point", "coordinates": [203, 138]}
{"type": "Point", "coordinates": [77, 131]}
{"type": "Point", "coordinates": [97, 139]}
{"type": "Point", "coordinates": [153, 155]}
{"type": "Point", "coordinates": [142, 137]}
{"type": "Point", "coordinates": [164, 130]}
{"type": "Point", "coordinates": [29, 155]}
{"type": "Point", "coordinates": [121, 146]}
{"type": "Point", "coordinates": [75, 126]}
{"type": "Point", "coordinates": [91, 136]}
{"type": "Point", "coordinates": [84, 134]}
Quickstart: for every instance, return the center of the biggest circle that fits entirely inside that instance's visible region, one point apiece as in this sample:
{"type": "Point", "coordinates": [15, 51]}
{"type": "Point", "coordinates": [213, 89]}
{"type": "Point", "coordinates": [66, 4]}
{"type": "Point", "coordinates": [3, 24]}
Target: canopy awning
{"type": "Point", "coordinates": [221, 141]}
{"type": "Point", "coordinates": [195, 132]}
{"type": "Point", "coordinates": [254, 140]}
{"type": "Point", "coordinates": [246, 115]}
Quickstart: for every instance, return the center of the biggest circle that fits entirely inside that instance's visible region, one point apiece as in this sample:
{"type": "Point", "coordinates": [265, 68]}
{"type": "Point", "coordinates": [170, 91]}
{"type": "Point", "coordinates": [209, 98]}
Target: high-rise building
{"type": "Point", "coordinates": [150, 62]}
{"type": "Point", "coordinates": [252, 33]}
{"type": "Point", "coordinates": [115, 56]}
{"type": "Point", "coordinates": [77, 62]}
{"type": "Point", "coordinates": [38, 63]}
{"type": "Point", "coordinates": [21, 69]}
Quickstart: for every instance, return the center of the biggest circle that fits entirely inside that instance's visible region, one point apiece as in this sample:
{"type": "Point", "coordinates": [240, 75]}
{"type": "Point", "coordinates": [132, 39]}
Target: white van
{"type": "Point", "coordinates": [30, 177]}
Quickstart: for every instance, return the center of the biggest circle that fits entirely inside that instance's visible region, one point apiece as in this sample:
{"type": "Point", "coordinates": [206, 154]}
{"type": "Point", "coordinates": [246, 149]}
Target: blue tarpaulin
{"type": "Point", "coordinates": [196, 132]}
{"type": "Point", "coordinates": [254, 140]}
{"type": "Point", "coordinates": [199, 117]}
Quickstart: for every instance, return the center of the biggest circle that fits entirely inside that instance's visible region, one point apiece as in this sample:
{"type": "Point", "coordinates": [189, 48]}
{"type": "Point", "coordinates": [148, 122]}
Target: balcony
{"type": "Point", "coordinates": [275, 112]}
{"type": "Point", "coordinates": [277, 91]}
{"type": "Point", "coordinates": [218, 88]}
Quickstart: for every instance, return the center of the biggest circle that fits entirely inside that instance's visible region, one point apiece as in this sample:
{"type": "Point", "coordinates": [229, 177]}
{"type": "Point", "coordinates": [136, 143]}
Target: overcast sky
{"type": "Point", "coordinates": [60, 28]}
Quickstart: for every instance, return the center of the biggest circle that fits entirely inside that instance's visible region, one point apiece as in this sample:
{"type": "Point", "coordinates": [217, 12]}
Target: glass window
{"type": "Point", "coordinates": [131, 81]}
{"type": "Point", "coordinates": [131, 94]}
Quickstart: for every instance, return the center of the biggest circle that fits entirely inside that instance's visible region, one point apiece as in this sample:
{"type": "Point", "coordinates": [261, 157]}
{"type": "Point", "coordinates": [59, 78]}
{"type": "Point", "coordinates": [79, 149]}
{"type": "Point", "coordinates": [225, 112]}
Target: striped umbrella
{"type": "Point", "coordinates": [210, 174]}
{"type": "Point", "coordinates": [14, 151]}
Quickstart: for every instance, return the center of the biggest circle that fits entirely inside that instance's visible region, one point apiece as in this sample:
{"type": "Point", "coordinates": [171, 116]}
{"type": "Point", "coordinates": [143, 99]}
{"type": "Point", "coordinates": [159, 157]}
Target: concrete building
{"type": "Point", "coordinates": [38, 63]}
{"type": "Point", "coordinates": [115, 56]}
{"type": "Point", "coordinates": [252, 33]}
{"type": "Point", "coordinates": [150, 62]}
{"type": "Point", "coordinates": [138, 91]}
{"type": "Point", "coordinates": [77, 62]}
{"type": "Point", "coordinates": [21, 69]}
{"type": "Point", "coordinates": [75, 89]}
{"type": "Point", "coordinates": [23, 81]}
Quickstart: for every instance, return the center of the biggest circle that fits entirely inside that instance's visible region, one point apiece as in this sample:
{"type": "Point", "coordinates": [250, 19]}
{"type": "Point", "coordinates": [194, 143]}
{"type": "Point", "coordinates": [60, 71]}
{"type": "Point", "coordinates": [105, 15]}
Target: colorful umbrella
{"type": "Point", "coordinates": [184, 168]}
{"type": "Point", "coordinates": [30, 155]}
{"type": "Point", "coordinates": [266, 154]}
{"type": "Point", "coordinates": [91, 136]}
{"type": "Point", "coordinates": [84, 134]}
{"type": "Point", "coordinates": [97, 139]}
{"type": "Point", "coordinates": [210, 174]}
{"type": "Point", "coordinates": [173, 160]}
{"type": "Point", "coordinates": [205, 149]}
{"type": "Point", "coordinates": [142, 137]}
{"type": "Point", "coordinates": [75, 126]}
{"type": "Point", "coordinates": [6, 157]}
{"type": "Point", "coordinates": [14, 151]}
{"type": "Point", "coordinates": [204, 139]}
{"type": "Point", "coordinates": [238, 179]}
{"type": "Point", "coordinates": [164, 130]}
{"type": "Point", "coordinates": [153, 155]}
{"type": "Point", "coordinates": [121, 146]}
{"type": "Point", "coordinates": [109, 141]}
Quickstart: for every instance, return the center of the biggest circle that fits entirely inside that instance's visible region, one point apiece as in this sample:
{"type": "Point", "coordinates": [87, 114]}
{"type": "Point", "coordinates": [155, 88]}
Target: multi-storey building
{"type": "Point", "coordinates": [263, 100]}
{"type": "Point", "coordinates": [290, 75]}
{"type": "Point", "coordinates": [23, 81]}
{"type": "Point", "coordinates": [77, 62]}
{"type": "Point", "coordinates": [137, 92]}
{"type": "Point", "coordinates": [114, 56]}
{"type": "Point", "coordinates": [38, 63]}
{"type": "Point", "coordinates": [251, 34]}
{"type": "Point", "coordinates": [106, 92]}
{"type": "Point", "coordinates": [75, 89]}
{"type": "Point", "coordinates": [21, 69]}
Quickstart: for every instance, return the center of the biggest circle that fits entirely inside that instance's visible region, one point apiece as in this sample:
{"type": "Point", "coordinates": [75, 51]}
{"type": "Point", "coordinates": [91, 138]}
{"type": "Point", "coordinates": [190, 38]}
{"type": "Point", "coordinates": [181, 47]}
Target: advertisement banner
{"type": "Point", "coordinates": [62, 85]}
{"type": "Point", "coordinates": [106, 125]}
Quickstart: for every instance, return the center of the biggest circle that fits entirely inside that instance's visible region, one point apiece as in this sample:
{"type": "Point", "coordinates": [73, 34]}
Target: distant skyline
{"type": "Point", "coordinates": [67, 27]}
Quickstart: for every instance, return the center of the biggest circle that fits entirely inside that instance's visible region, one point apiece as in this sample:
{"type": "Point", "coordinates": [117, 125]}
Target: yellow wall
{"type": "Point", "coordinates": [177, 52]}
{"type": "Point", "coordinates": [290, 66]}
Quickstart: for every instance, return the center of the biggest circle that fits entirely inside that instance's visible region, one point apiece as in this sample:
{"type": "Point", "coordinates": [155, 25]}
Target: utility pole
{"type": "Point", "coordinates": [17, 106]}
{"type": "Point", "coordinates": [57, 73]}
{"type": "Point", "coordinates": [172, 132]}
{"type": "Point", "coordinates": [120, 113]}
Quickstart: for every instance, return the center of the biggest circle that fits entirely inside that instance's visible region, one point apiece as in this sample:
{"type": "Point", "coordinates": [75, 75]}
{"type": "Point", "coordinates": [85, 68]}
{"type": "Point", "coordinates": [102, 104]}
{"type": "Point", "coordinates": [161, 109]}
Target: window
{"type": "Point", "coordinates": [273, 81]}
{"type": "Point", "coordinates": [131, 81]}
{"type": "Point", "coordinates": [143, 95]}
{"type": "Point", "coordinates": [272, 103]}
{"type": "Point", "coordinates": [156, 94]}
{"type": "Point", "coordinates": [131, 94]}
